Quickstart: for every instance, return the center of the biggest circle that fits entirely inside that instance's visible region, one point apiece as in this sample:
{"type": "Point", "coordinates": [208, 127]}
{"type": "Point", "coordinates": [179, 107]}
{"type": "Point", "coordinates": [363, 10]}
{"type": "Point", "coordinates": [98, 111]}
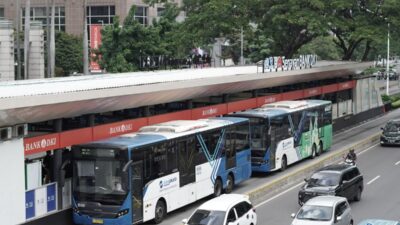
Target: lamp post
{"type": "Point", "coordinates": [387, 62]}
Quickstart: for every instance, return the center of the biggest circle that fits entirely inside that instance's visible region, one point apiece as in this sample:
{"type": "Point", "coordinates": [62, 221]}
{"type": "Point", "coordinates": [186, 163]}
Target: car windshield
{"type": "Point", "coordinates": [324, 179]}
{"type": "Point", "coordinates": [392, 127]}
{"type": "Point", "coordinates": [206, 217]}
{"type": "Point", "coordinates": [317, 213]}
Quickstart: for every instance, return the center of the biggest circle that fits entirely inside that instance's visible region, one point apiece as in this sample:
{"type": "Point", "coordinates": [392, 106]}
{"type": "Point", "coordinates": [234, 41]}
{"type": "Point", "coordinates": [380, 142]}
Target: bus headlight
{"type": "Point", "coordinates": [75, 210]}
{"type": "Point", "coordinates": [122, 212]}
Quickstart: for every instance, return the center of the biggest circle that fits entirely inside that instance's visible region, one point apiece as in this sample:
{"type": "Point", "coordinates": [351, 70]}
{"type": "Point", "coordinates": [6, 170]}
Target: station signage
{"type": "Point", "coordinates": [113, 129]}
{"type": "Point", "coordinates": [280, 63]}
{"type": "Point", "coordinates": [42, 143]}
{"type": "Point", "coordinates": [40, 201]}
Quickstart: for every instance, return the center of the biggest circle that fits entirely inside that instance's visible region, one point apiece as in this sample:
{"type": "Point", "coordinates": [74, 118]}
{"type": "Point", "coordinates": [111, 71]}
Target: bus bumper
{"type": "Point", "coordinates": [87, 220]}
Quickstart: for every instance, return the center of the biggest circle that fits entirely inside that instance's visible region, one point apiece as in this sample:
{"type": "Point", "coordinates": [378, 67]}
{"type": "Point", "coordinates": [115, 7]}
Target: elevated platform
{"type": "Point", "coordinates": [32, 101]}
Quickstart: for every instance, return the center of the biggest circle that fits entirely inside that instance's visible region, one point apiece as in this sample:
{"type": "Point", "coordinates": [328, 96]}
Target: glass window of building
{"type": "Point", "coordinates": [160, 11]}
{"type": "Point", "coordinates": [1, 13]}
{"type": "Point", "coordinates": [39, 14]}
{"type": "Point", "coordinates": [100, 14]}
{"type": "Point", "coordinates": [141, 14]}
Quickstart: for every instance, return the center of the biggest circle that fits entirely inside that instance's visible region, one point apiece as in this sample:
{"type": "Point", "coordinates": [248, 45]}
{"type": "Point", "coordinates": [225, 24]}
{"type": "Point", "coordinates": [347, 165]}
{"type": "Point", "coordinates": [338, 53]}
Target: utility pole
{"type": "Point", "coordinates": [387, 63]}
{"type": "Point", "coordinates": [26, 38]}
{"type": "Point", "coordinates": [18, 25]}
{"type": "Point", "coordinates": [52, 40]}
{"type": "Point", "coordinates": [85, 42]}
{"type": "Point", "coordinates": [241, 46]}
{"type": "Point", "coordinates": [48, 39]}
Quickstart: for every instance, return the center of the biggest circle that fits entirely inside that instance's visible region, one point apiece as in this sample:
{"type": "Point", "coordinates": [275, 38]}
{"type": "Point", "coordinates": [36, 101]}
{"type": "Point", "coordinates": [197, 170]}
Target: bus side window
{"type": "Point", "coordinates": [159, 160]}
{"type": "Point", "coordinates": [172, 157]}
{"type": "Point", "coordinates": [148, 163]}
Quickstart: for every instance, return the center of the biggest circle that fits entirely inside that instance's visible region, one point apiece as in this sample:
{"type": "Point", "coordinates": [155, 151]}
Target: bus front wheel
{"type": "Point", "coordinates": [229, 184]}
{"type": "Point", "coordinates": [283, 163]}
{"type": "Point", "coordinates": [217, 187]}
{"type": "Point", "coordinates": [160, 212]}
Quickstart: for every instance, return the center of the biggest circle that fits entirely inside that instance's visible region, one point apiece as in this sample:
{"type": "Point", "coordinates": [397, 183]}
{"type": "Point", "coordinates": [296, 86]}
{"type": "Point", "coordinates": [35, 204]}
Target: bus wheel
{"type": "Point", "coordinates": [217, 187]}
{"type": "Point", "coordinates": [320, 149]}
{"type": "Point", "coordinates": [283, 163]}
{"type": "Point", "coordinates": [160, 212]}
{"type": "Point", "coordinates": [229, 184]}
{"type": "Point", "coordinates": [313, 151]}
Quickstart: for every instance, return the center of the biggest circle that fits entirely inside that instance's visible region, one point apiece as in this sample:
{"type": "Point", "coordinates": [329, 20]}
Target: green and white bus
{"type": "Point", "coordinates": [285, 132]}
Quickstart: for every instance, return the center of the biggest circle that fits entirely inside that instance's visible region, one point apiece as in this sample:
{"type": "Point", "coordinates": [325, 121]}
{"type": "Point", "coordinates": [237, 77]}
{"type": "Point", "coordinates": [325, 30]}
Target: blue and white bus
{"type": "Point", "coordinates": [142, 176]}
{"type": "Point", "coordinates": [286, 132]}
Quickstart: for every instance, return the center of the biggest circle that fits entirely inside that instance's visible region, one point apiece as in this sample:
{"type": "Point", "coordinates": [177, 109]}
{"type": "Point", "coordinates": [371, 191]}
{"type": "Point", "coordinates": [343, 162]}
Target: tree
{"type": "Point", "coordinates": [289, 23]}
{"type": "Point", "coordinates": [69, 54]}
{"type": "Point", "coordinates": [323, 47]}
{"type": "Point", "coordinates": [124, 46]}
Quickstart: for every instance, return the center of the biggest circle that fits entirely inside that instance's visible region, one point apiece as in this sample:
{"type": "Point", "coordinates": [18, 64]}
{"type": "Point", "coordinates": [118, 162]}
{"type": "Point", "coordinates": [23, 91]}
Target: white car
{"type": "Point", "coordinates": [324, 210]}
{"type": "Point", "coordinates": [227, 209]}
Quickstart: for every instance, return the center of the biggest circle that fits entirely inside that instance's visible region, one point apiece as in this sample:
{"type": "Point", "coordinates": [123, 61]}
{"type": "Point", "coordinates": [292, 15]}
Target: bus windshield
{"type": "Point", "coordinates": [100, 180]}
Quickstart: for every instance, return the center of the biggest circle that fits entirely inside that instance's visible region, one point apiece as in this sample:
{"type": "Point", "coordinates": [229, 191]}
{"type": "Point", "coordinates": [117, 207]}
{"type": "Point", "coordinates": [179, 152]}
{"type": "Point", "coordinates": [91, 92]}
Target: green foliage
{"type": "Point", "coordinates": [289, 23]}
{"type": "Point", "coordinates": [69, 54]}
{"type": "Point", "coordinates": [396, 104]}
{"type": "Point", "coordinates": [385, 98]}
{"type": "Point", "coordinates": [322, 46]}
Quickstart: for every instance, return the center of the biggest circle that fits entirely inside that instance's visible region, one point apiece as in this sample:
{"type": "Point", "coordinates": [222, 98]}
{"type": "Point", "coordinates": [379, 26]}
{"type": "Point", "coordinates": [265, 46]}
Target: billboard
{"type": "Point", "coordinates": [95, 42]}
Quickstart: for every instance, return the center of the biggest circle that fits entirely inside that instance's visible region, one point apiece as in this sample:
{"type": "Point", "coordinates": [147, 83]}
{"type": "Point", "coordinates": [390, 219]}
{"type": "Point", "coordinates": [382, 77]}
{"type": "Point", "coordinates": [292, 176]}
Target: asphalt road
{"type": "Point", "coordinates": [342, 139]}
{"type": "Point", "coordinates": [380, 167]}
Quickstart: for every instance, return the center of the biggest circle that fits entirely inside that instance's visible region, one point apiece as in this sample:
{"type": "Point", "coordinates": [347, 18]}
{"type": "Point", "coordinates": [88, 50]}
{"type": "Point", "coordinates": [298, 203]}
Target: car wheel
{"type": "Point", "coordinates": [358, 195]}
{"type": "Point", "coordinates": [229, 184]}
{"type": "Point", "coordinates": [160, 212]}
{"type": "Point", "coordinates": [283, 163]}
{"type": "Point", "coordinates": [217, 188]}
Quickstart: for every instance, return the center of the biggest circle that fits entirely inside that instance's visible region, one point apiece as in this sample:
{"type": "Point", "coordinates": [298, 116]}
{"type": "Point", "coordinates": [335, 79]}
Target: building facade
{"type": "Point", "coordinates": [70, 13]}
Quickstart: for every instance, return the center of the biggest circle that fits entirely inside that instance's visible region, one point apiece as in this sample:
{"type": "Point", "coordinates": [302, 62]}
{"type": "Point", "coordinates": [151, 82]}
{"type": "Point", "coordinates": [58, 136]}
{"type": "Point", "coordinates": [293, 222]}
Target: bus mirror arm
{"type": "Point", "coordinates": [62, 172]}
{"type": "Point", "coordinates": [127, 165]}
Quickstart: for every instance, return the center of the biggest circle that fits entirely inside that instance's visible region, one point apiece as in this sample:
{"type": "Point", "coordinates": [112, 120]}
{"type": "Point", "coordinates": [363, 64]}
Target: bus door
{"type": "Point", "coordinates": [186, 163]}
{"type": "Point", "coordinates": [187, 166]}
{"type": "Point", "coordinates": [137, 191]}
{"type": "Point", "coordinates": [230, 150]}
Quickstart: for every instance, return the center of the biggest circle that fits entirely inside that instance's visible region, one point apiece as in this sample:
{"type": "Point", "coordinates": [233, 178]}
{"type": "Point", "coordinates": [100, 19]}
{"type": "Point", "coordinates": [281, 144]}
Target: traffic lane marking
{"type": "Point", "coordinates": [396, 164]}
{"type": "Point", "coordinates": [278, 195]}
{"type": "Point", "coordinates": [371, 181]}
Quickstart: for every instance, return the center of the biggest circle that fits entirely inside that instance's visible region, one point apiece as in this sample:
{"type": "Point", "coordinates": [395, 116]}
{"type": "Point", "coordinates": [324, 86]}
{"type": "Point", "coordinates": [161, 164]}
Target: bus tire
{"type": "Point", "coordinates": [160, 211]}
{"type": "Point", "coordinates": [217, 187]}
{"type": "Point", "coordinates": [283, 163]}
{"type": "Point", "coordinates": [320, 149]}
{"type": "Point", "coordinates": [229, 184]}
{"type": "Point", "coordinates": [313, 151]}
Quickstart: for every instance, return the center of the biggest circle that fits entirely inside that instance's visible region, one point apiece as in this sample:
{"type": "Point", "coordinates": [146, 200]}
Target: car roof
{"type": "Point", "coordinates": [325, 200]}
{"type": "Point", "coordinates": [336, 167]}
{"type": "Point", "coordinates": [378, 222]}
{"type": "Point", "coordinates": [224, 202]}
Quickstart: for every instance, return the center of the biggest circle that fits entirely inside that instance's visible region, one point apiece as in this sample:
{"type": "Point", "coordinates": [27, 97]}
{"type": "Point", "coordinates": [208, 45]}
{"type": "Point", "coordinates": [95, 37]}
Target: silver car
{"type": "Point", "coordinates": [324, 210]}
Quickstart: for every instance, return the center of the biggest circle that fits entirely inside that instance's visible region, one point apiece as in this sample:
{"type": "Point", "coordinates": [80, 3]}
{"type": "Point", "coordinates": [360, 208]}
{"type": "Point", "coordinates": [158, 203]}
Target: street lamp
{"type": "Point", "coordinates": [387, 63]}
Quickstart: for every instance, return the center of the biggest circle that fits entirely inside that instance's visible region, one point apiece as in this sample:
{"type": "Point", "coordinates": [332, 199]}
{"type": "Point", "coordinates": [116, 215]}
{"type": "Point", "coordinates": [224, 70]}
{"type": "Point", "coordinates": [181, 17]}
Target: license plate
{"type": "Point", "coordinates": [97, 221]}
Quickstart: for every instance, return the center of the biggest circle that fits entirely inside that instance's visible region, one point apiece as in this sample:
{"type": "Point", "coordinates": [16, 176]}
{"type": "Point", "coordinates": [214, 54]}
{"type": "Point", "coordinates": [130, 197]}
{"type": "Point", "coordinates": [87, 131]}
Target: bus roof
{"type": "Point", "coordinates": [281, 108]}
{"type": "Point", "coordinates": [164, 131]}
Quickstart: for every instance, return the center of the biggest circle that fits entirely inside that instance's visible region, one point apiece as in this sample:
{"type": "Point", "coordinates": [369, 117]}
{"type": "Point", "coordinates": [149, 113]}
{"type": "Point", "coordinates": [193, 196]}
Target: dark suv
{"type": "Point", "coordinates": [340, 180]}
{"type": "Point", "coordinates": [391, 133]}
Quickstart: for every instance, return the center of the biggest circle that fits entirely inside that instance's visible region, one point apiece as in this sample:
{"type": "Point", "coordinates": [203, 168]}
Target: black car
{"type": "Point", "coordinates": [391, 133]}
{"type": "Point", "coordinates": [339, 180]}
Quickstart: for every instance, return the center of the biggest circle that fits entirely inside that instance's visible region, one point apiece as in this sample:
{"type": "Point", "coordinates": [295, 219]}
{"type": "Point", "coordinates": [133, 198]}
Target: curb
{"type": "Point", "coordinates": [256, 195]}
